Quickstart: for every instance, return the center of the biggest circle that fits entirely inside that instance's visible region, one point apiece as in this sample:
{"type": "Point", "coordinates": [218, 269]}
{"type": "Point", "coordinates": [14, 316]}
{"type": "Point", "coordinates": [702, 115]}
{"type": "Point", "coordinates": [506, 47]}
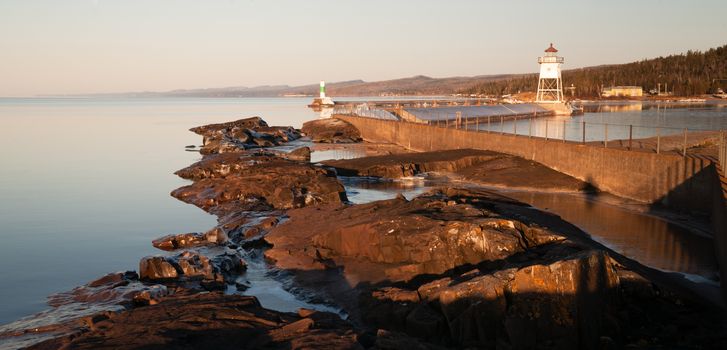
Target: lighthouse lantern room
{"type": "Point", "coordinates": [550, 83]}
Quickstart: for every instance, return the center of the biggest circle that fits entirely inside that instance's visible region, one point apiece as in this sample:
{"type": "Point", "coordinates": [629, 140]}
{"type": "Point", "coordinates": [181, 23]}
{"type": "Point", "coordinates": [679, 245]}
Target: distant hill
{"type": "Point", "coordinates": [688, 74]}
{"type": "Point", "coordinates": [418, 85]}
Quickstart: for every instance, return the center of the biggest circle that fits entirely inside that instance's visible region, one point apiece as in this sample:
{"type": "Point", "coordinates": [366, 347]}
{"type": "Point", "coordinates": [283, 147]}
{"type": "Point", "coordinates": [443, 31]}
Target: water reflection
{"type": "Point", "coordinates": [85, 184]}
{"type": "Point", "coordinates": [648, 239]}
{"type": "Point", "coordinates": [364, 190]}
{"type": "Point", "coordinates": [271, 287]}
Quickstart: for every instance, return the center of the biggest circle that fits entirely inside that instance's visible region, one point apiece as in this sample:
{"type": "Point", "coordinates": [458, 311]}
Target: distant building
{"type": "Point", "coordinates": [622, 91]}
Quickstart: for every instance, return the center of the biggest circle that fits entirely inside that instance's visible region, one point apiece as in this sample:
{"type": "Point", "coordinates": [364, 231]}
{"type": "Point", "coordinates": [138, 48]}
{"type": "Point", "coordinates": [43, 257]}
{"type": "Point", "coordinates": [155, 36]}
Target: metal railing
{"type": "Point", "coordinates": [657, 139]}
{"type": "Point", "coordinates": [363, 110]}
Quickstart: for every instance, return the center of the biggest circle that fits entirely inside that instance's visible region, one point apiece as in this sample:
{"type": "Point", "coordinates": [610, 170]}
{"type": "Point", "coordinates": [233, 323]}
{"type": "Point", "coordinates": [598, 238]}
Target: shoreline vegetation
{"type": "Point", "coordinates": [456, 266]}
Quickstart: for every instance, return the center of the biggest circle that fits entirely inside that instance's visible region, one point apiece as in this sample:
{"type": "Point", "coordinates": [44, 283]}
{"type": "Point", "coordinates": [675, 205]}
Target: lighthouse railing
{"type": "Point", "coordinates": [550, 59]}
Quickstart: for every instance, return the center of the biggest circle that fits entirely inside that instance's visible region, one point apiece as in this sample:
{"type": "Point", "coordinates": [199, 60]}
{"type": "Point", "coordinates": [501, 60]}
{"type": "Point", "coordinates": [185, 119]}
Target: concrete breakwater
{"type": "Point", "coordinates": [691, 183]}
{"type": "Point", "coordinates": [670, 180]}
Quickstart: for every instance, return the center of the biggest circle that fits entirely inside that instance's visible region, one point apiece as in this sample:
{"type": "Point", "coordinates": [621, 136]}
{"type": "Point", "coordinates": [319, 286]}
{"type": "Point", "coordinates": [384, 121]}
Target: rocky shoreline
{"type": "Point", "coordinates": [455, 267]}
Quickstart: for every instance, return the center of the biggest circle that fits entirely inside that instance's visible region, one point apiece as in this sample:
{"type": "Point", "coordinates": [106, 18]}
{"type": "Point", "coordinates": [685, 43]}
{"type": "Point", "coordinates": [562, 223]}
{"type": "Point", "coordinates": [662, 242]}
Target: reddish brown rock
{"type": "Point", "coordinates": [515, 172]}
{"type": "Point", "coordinates": [410, 164]}
{"type": "Point", "coordinates": [565, 303]}
{"type": "Point", "coordinates": [246, 123]}
{"type": "Point", "coordinates": [478, 166]}
{"type": "Point", "coordinates": [156, 268]}
{"type": "Point", "coordinates": [79, 309]}
{"type": "Point", "coordinates": [215, 236]}
{"type": "Point", "coordinates": [221, 165]}
{"type": "Point", "coordinates": [402, 239]}
{"type": "Point", "coordinates": [191, 265]}
{"type": "Point", "coordinates": [279, 183]}
{"type": "Point", "coordinates": [114, 288]}
{"type": "Point", "coordinates": [242, 134]}
{"type": "Point", "coordinates": [210, 321]}
{"type": "Point", "coordinates": [331, 131]}
{"type": "Point", "coordinates": [301, 154]}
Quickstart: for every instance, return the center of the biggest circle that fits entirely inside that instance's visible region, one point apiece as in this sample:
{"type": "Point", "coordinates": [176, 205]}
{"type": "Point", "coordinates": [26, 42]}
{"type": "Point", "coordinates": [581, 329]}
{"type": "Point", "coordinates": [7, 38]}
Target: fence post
{"type": "Point", "coordinates": [685, 142]}
{"type": "Point", "coordinates": [514, 127]}
{"type": "Point", "coordinates": [546, 130]}
{"type": "Point", "coordinates": [477, 124]}
{"type": "Point", "coordinates": [631, 135]}
{"type": "Point", "coordinates": [722, 151]}
{"type": "Point", "coordinates": [584, 132]}
{"type": "Point", "coordinates": [605, 135]}
{"type": "Point", "coordinates": [658, 140]}
{"type": "Point", "coordinates": [488, 125]}
{"type": "Point", "coordinates": [723, 146]}
{"type": "Point", "coordinates": [564, 131]}
{"type": "Point", "coordinates": [502, 125]}
{"type": "Point", "coordinates": [530, 128]}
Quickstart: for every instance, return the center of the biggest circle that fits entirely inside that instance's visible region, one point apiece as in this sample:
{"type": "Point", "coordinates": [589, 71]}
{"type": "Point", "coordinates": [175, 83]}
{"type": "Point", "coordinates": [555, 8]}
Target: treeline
{"type": "Point", "coordinates": [692, 73]}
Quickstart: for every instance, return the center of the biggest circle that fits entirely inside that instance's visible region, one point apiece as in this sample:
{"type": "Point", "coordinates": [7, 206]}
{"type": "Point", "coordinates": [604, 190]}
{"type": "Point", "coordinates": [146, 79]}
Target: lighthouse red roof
{"type": "Point", "coordinates": [551, 48]}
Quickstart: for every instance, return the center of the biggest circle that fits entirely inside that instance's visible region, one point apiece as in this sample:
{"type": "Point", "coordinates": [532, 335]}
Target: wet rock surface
{"type": "Point", "coordinates": [561, 301]}
{"type": "Point", "coordinates": [215, 236]}
{"type": "Point", "coordinates": [74, 310]}
{"type": "Point", "coordinates": [239, 135]}
{"type": "Point", "coordinates": [211, 321]}
{"type": "Point", "coordinates": [331, 131]}
{"type": "Point", "coordinates": [477, 166]}
{"type": "Point", "coordinates": [402, 239]}
{"type": "Point", "coordinates": [277, 183]}
{"type": "Point", "coordinates": [410, 164]}
{"type": "Point", "coordinates": [515, 172]}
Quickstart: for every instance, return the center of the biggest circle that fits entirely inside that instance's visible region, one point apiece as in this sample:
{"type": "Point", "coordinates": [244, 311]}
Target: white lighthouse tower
{"type": "Point", "coordinates": [550, 84]}
{"type": "Point", "coordinates": [322, 100]}
{"type": "Point", "coordinates": [323, 90]}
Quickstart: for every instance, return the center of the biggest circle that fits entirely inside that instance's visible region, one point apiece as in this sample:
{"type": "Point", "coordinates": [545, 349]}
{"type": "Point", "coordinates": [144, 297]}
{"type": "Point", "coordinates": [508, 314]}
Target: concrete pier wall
{"type": "Point", "coordinates": [681, 183]}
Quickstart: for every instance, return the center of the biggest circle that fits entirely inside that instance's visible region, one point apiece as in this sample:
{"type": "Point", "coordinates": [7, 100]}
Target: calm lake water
{"type": "Point", "coordinates": [85, 184]}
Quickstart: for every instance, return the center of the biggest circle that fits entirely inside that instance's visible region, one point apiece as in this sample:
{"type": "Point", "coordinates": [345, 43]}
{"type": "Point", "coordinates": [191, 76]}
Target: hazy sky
{"type": "Point", "coordinates": [82, 46]}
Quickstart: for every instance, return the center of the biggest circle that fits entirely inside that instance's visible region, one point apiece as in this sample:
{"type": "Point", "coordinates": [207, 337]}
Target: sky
{"type": "Point", "coordinates": [102, 46]}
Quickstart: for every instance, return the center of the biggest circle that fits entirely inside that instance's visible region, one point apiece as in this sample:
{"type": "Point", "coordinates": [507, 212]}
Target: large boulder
{"type": "Point", "coordinates": [564, 303]}
{"type": "Point", "coordinates": [215, 236]}
{"type": "Point", "coordinates": [430, 234]}
{"type": "Point", "coordinates": [279, 183]}
{"type": "Point", "coordinates": [331, 131]}
{"type": "Point", "coordinates": [239, 135]}
{"type": "Point", "coordinates": [246, 123]}
{"type": "Point", "coordinates": [410, 164]}
{"type": "Point", "coordinates": [190, 265]}
{"type": "Point", "coordinates": [156, 268]}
